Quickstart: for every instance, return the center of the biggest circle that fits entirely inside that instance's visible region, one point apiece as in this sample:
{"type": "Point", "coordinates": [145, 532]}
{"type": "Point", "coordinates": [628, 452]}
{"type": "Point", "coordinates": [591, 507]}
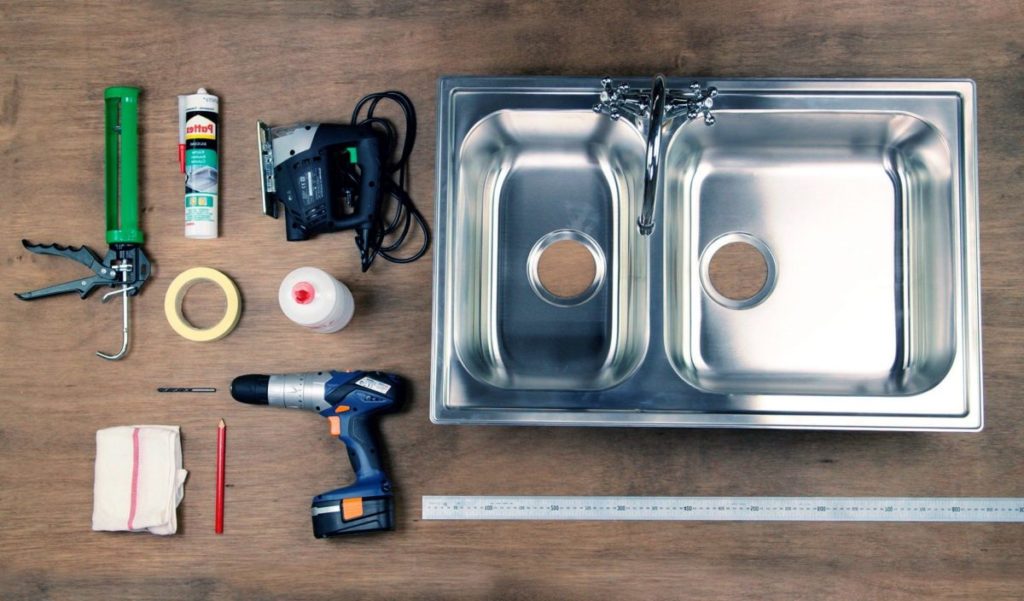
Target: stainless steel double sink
{"type": "Point", "coordinates": [859, 196]}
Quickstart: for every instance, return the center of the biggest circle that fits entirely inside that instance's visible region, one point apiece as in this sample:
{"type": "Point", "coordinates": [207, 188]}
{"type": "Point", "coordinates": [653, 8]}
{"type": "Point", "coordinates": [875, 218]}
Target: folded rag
{"type": "Point", "coordinates": [139, 480]}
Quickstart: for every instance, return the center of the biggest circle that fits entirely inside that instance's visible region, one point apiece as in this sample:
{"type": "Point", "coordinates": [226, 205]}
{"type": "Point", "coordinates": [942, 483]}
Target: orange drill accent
{"type": "Point", "coordinates": [351, 508]}
{"type": "Point", "coordinates": [341, 408]}
{"type": "Point", "coordinates": [335, 423]}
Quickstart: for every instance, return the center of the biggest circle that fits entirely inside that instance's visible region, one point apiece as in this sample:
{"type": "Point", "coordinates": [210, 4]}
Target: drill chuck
{"type": "Point", "coordinates": [307, 390]}
{"type": "Point", "coordinates": [251, 389]}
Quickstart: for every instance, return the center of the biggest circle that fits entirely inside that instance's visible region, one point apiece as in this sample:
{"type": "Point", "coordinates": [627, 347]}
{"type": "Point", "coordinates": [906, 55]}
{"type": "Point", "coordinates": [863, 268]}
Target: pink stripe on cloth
{"type": "Point", "coordinates": [135, 478]}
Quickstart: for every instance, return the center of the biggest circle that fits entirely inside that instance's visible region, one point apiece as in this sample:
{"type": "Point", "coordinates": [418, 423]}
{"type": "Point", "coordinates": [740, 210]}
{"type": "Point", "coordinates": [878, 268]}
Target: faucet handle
{"type": "Point", "coordinates": [697, 102]}
{"type": "Point", "coordinates": [618, 99]}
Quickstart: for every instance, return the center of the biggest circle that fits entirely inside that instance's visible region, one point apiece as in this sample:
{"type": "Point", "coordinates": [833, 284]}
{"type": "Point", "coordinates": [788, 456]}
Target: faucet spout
{"type": "Point", "coordinates": [655, 120]}
{"type": "Point", "coordinates": [650, 110]}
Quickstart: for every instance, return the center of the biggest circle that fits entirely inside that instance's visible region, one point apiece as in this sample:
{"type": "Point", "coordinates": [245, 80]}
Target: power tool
{"type": "Point", "coordinates": [351, 401]}
{"type": "Point", "coordinates": [124, 266]}
{"type": "Point", "coordinates": [332, 177]}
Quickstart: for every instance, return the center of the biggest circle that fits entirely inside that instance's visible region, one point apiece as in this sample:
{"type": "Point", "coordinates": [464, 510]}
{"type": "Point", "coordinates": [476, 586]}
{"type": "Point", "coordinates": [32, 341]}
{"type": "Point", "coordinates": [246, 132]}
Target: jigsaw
{"type": "Point", "coordinates": [332, 177]}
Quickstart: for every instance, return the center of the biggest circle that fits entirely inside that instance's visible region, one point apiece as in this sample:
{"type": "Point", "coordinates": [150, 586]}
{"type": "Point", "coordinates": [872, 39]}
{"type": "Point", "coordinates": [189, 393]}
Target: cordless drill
{"type": "Point", "coordinates": [349, 400]}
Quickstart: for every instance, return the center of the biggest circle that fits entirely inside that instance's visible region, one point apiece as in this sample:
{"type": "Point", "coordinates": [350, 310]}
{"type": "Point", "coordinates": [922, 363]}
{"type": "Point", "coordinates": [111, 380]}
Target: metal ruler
{"type": "Point", "coordinates": [715, 509]}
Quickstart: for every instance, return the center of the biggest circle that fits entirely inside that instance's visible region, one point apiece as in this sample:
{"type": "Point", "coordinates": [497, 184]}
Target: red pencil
{"type": "Point", "coordinates": [222, 434]}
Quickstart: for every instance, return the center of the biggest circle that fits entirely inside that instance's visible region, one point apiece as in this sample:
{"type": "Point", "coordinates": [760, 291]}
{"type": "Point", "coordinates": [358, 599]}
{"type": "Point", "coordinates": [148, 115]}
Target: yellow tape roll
{"type": "Point", "coordinates": [176, 294]}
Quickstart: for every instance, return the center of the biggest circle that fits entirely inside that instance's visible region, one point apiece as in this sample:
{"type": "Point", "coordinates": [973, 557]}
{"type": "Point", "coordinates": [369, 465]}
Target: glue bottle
{"type": "Point", "coordinates": [313, 299]}
{"type": "Point", "coordinates": [198, 120]}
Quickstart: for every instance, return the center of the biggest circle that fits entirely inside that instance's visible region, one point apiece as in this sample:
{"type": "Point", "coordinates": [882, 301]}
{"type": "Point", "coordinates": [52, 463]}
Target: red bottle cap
{"type": "Point", "coordinates": [303, 293]}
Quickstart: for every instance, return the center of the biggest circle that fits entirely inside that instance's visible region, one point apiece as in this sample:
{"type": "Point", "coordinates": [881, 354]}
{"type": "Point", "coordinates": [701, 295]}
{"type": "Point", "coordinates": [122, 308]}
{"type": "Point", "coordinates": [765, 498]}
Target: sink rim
{"type": "Point", "coordinates": [967, 305]}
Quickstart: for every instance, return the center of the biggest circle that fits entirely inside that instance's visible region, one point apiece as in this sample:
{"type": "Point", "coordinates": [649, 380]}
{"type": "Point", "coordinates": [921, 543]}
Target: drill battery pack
{"type": "Point", "coordinates": [333, 516]}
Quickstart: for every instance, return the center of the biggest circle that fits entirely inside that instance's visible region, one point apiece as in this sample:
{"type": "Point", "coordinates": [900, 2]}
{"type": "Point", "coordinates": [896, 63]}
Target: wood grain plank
{"type": "Point", "coordinates": [285, 61]}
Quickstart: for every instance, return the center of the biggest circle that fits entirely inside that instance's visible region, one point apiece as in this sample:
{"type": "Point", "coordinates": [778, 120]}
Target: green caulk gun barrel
{"type": "Point", "coordinates": [122, 147]}
{"type": "Point", "coordinates": [125, 266]}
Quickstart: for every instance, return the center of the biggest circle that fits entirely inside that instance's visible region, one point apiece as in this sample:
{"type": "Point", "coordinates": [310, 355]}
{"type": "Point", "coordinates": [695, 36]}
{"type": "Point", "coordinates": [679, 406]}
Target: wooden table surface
{"type": "Point", "coordinates": [284, 62]}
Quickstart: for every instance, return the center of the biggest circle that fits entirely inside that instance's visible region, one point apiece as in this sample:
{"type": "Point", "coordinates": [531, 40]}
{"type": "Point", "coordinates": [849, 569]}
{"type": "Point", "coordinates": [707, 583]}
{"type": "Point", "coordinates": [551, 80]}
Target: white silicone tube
{"type": "Point", "coordinates": [198, 116]}
{"type": "Point", "coordinates": [313, 299]}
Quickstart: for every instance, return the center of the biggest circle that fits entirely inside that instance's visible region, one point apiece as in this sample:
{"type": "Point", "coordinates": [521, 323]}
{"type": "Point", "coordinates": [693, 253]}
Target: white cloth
{"type": "Point", "coordinates": [139, 481]}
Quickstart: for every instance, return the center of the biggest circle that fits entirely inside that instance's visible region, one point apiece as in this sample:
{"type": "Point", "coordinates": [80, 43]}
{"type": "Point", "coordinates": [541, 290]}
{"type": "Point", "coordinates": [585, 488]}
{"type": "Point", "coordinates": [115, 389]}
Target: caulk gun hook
{"type": "Point", "coordinates": [123, 291]}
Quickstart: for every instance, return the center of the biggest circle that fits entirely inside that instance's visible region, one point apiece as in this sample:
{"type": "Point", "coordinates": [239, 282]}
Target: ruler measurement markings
{"type": "Point", "coordinates": [895, 509]}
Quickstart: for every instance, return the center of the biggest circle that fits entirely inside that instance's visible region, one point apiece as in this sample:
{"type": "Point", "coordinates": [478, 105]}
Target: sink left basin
{"type": "Point", "coordinates": [530, 177]}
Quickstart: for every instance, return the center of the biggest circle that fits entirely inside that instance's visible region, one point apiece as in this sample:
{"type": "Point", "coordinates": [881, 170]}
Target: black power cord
{"type": "Point", "coordinates": [395, 200]}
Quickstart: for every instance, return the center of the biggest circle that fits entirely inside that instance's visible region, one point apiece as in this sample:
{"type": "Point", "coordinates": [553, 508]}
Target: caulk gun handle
{"type": "Point", "coordinates": [121, 134]}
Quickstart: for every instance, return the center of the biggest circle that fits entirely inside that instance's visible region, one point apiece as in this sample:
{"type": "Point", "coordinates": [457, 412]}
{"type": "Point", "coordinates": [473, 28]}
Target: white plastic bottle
{"type": "Point", "coordinates": [313, 299]}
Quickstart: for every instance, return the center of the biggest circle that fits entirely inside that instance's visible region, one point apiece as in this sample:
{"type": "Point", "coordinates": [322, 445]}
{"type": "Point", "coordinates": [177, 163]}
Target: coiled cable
{"type": "Point", "coordinates": [395, 200]}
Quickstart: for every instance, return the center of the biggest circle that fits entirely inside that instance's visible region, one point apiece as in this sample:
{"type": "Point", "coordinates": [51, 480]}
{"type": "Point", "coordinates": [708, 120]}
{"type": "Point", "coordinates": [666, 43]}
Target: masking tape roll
{"type": "Point", "coordinates": [176, 294]}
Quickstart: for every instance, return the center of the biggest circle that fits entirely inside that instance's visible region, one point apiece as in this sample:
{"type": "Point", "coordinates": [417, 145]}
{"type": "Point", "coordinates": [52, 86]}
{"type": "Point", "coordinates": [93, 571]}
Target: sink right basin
{"type": "Point", "coordinates": [852, 213]}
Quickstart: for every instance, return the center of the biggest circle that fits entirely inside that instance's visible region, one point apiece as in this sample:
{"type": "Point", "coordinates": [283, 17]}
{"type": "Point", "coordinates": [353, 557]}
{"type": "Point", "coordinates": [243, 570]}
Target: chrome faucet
{"type": "Point", "coordinates": [651, 110]}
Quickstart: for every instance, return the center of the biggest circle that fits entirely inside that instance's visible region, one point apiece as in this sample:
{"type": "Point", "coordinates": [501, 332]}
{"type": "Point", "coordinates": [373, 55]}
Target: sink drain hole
{"type": "Point", "coordinates": [737, 270]}
{"type": "Point", "coordinates": [566, 268]}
